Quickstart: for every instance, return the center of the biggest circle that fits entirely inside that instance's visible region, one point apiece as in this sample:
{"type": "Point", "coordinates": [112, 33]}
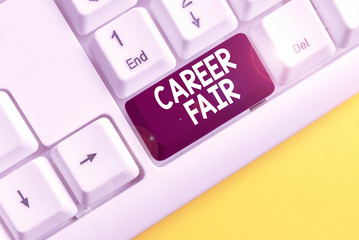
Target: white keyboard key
{"type": "Point", "coordinates": [61, 90]}
{"type": "Point", "coordinates": [87, 15]}
{"type": "Point", "coordinates": [292, 40]}
{"type": "Point", "coordinates": [131, 52]}
{"type": "Point", "coordinates": [16, 139]}
{"type": "Point", "coordinates": [3, 234]}
{"type": "Point", "coordinates": [341, 18]}
{"type": "Point", "coordinates": [95, 162]}
{"type": "Point", "coordinates": [249, 9]}
{"type": "Point", "coordinates": [191, 26]}
{"type": "Point", "coordinates": [33, 201]}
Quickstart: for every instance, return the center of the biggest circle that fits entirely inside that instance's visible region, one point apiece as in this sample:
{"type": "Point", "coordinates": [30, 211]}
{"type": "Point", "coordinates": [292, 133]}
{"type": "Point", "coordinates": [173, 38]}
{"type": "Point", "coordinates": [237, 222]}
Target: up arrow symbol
{"type": "Point", "coordinates": [24, 201]}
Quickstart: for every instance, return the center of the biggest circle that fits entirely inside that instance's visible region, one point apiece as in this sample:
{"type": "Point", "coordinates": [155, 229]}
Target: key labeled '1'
{"type": "Point", "coordinates": [131, 52]}
{"type": "Point", "coordinates": [199, 97]}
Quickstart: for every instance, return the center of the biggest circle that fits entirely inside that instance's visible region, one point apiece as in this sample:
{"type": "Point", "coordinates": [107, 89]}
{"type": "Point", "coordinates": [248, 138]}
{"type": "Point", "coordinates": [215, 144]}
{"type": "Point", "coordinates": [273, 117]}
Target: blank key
{"type": "Point", "coordinates": [33, 201]}
{"type": "Point", "coordinates": [292, 40]}
{"type": "Point", "coordinates": [341, 18]}
{"type": "Point", "coordinates": [16, 139]}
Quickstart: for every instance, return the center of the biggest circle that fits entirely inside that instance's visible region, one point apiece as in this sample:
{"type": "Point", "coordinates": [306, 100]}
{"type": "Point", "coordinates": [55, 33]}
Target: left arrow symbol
{"type": "Point", "coordinates": [24, 201]}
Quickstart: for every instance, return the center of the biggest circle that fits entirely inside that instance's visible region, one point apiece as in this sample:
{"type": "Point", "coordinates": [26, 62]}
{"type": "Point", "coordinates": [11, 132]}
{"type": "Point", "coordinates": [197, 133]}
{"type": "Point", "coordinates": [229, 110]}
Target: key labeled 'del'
{"type": "Point", "coordinates": [292, 40]}
{"type": "Point", "coordinates": [298, 47]}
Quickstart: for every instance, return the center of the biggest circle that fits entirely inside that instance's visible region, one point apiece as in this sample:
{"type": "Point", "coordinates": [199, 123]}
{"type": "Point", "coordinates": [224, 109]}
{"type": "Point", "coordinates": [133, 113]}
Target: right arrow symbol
{"type": "Point", "coordinates": [90, 158]}
{"type": "Point", "coordinates": [195, 20]}
{"type": "Point", "coordinates": [24, 201]}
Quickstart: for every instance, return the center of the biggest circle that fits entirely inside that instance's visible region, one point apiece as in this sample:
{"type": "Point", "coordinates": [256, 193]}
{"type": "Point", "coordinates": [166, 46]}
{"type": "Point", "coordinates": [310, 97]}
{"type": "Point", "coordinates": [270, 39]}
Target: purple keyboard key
{"type": "Point", "coordinates": [199, 97]}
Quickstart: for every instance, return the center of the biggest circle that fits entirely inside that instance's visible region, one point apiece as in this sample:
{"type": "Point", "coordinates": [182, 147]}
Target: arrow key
{"type": "Point", "coordinates": [33, 201]}
{"type": "Point", "coordinates": [95, 162]}
{"type": "Point", "coordinates": [24, 200]}
{"type": "Point", "coordinates": [193, 25]}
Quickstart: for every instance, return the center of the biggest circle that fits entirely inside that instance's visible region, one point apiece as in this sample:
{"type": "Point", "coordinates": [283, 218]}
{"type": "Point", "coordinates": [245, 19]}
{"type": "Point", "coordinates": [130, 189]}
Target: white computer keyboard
{"type": "Point", "coordinates": [113, 114]}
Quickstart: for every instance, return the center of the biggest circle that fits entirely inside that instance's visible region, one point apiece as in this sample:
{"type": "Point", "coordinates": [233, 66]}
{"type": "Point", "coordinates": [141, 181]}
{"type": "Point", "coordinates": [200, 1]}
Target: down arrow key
{"type": "Point", "coordinates": [24, 201]}
{"type": "Point", "coordinates": [194, 25]}
{"type": "Point", "coordinates": [195, 20]}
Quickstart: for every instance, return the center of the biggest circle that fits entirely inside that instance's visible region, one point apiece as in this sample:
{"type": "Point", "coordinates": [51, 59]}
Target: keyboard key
{"type": "Point", "coordinates": [61, 91]}
{"type": "Point", "coordinates": [16, 139]}
{"type": "Point", "coordinates": [341, 18]}
{"type": "Point", "coordinates": [249, 9]}
{"type": "Point", "coordinates": [95, 162]}
{"type": "Point", "coordinates": [3, 234]}
{"type": "Point", "coordinates": [292, 40]}
{"type": "Point", "coordinates": [33, 201]}
{"type": "Point", "coordinates": [131, 52]}
{"type": "Point", "coordinates": [194, 25]}
{"type": "Point", "coordinates": [87, 15]}
{"type": "Point", "coordinates": [199, 97]}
